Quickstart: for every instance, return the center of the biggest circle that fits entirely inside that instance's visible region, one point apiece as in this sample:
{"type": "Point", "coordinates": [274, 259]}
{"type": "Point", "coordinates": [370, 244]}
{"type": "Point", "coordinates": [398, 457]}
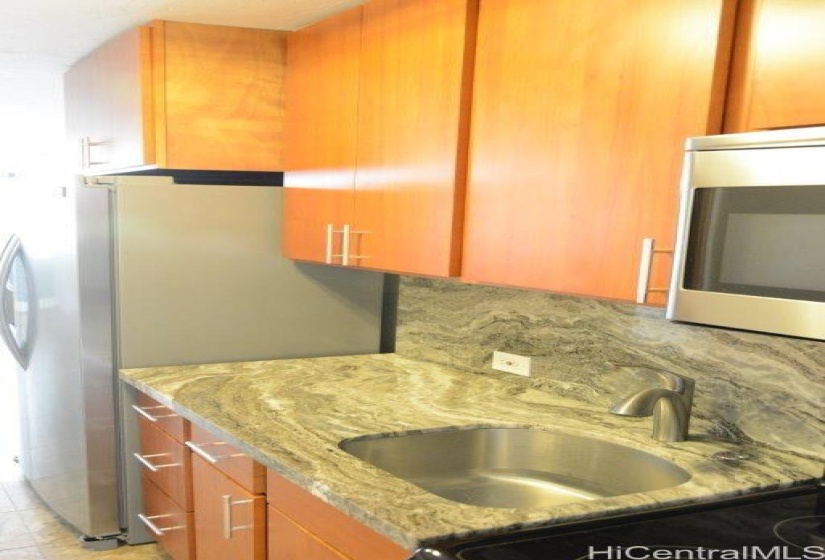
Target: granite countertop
{"type": "Point", "coordinates": [290, 415]}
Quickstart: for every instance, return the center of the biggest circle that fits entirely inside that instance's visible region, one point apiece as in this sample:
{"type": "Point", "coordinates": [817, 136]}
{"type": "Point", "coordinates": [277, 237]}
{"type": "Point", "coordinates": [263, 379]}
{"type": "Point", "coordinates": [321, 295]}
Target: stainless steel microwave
{"type": "Point", "coordinates": [750, 246]}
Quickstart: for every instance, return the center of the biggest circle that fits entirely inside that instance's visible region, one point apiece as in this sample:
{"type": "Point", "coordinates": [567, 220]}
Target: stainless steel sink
{"type": "Point", "coordinates": [516, 467]}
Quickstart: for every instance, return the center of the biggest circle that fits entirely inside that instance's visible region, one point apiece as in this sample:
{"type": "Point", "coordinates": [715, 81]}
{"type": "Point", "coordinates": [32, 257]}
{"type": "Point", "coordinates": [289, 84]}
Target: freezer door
{"type": "Point", "coordinates": [16, 319]}
{"type": "Point", "coordinates": [68, 450]}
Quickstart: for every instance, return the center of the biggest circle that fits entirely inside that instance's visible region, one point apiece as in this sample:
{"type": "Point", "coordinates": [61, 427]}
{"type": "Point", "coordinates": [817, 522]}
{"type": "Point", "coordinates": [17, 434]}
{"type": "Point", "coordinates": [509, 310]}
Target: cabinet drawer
{"type": "Point", "coordinates": [230, 460]}
{"type": "Point", "coordinates": [163, 417]}
{"type": "Point", "coordinates": [290, 541]}
{"type": "Point", "coordinates": [166, 462]}
{"type": "Point", "coordinates": [328, 524]}
{"type": "Point", "coordinates": [172, 527]}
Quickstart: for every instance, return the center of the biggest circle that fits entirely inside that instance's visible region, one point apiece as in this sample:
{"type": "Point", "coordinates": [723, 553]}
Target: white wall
{"type": "Point", "coordinates": [32, 137]}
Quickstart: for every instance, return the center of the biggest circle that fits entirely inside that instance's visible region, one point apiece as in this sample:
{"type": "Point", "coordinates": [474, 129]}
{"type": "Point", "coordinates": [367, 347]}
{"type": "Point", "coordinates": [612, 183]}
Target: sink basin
{"type": "Point", "coordinates": [516, 467]}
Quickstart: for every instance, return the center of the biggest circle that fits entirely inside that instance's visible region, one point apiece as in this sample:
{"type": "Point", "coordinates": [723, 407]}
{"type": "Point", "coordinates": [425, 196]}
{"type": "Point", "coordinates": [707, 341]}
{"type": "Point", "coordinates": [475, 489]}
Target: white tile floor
{"type": "Point", "coordinates": [28, 528]}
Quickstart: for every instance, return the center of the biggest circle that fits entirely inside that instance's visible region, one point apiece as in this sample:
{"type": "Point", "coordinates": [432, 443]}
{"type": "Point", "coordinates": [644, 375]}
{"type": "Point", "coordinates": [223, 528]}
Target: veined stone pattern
{"type": "Point", "coordinates": [749, 386]}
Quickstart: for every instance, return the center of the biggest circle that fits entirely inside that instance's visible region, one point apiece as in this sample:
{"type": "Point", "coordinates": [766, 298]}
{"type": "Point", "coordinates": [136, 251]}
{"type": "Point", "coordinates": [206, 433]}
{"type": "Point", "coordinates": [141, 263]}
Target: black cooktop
{"type": "Point", "coordinates": [783, 525]}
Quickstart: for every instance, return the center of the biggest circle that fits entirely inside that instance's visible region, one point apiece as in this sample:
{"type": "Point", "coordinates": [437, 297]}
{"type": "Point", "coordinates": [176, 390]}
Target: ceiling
{"type": "Point", "coordinates": [39, 36]}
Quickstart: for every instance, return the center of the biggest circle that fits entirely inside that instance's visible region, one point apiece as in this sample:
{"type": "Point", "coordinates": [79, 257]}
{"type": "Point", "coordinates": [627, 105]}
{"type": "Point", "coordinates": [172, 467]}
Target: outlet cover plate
{"type": "Point", "coordinates": [511, 363]}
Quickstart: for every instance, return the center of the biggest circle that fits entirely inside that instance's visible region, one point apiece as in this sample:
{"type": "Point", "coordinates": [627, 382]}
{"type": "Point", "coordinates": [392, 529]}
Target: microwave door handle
{"type": "Point", "coordinates": [645, 265]}
{"type": "Point", "coordinates": [645, 268]}
{"type": "Point", "coordinates": [7, 311]}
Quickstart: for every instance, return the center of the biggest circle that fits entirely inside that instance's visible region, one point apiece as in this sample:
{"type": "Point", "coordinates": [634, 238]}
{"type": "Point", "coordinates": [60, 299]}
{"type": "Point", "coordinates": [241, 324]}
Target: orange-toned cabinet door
{"type": "Point", "coordinates": [289, 541]}
{"type": "Point", "coordinates": [229, 521]}
{"type": "Point", "coordinates": [218, 96]}
{"type": "Point", "coordinates": [412, 131]}
{"type": "Point", "coordinates": [580, 111]}
{"type": "Point", "coordinates": [168, 522]}
{"type": "Point", "coordinates": [106, 105]}
{"type": "Point", "coordinates": [326, 524]}
{"type": "Point", "coordinates": [779, 66]}
{"type": "Point", "coordinates": [179, 96]}
{"type": "Point", "coordinates": [321, 125]}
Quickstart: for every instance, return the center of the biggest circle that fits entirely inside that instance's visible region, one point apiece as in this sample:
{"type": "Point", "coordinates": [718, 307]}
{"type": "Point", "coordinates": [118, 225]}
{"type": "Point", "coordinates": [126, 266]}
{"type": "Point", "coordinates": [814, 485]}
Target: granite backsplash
{"type": "Point", "coordinates": [769, 389]}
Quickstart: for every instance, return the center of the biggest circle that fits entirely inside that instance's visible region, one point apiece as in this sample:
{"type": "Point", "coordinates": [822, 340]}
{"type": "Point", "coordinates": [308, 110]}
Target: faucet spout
{"type": "Point", "coordinates": [670, 407]}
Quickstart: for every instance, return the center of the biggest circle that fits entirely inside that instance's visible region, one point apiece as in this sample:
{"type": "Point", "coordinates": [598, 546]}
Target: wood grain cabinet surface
{"type": "Point", "coordinates": [166, 419]}
{"type": "Point", "coordinates": [303, 524]}
{"type": "Point", "coordinates": [166, 462]}
{"type": "Point", "coordinates": [166, 477]}
{"type": "Point", "coordinates": [377, 118]}
{"type": "Point", "coordinates": [321, 124]}
{"type": "Point", "coordinates": [172, 526]}
{"type": "Point", "coordinates": [778, 66]}
{"type": "Point", "coordinates": [175, 95]}
{"type": "Point", "coordinates": [290, 541]}
{"type": "Point", "coordinates": [230, 521]}
{"type": "Point", "coordinates": [580, 110]}
{"type": "Point", "coordinates": [230, 460]}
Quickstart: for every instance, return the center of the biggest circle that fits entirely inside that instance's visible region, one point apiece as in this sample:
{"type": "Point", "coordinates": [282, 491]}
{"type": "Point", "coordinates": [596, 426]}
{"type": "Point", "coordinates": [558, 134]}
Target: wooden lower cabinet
{"type": "Point", "coordinates": [205, 499]}
{"type": "Point", "coordinates": [305, 524]}
{"type": "Point", "coordinates": [166, 478]}
{"type": "Point", "coordinates": [166, 463]}
{"type": "Point", "coordinates": [290, 541]}
{"type": "Point", "coordinates": [168, 522]}
{"type": "Point", "coordinates": [230, 522]}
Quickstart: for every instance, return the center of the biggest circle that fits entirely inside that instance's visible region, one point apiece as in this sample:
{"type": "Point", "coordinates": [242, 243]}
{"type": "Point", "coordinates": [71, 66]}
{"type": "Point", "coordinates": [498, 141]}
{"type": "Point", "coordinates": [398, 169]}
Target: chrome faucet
{"type": "Point", "coordinates": [669, 405]}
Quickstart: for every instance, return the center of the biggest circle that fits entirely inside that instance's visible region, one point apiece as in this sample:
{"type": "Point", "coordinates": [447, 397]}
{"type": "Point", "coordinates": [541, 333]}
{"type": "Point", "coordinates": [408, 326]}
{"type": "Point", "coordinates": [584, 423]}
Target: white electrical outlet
{"type": "Point", "coordinates": [511, 363]}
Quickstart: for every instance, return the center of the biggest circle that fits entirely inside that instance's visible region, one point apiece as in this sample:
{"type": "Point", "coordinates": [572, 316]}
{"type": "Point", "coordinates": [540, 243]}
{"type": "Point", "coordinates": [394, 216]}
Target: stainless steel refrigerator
{"type": "Point", "coordinates": [139, 271]}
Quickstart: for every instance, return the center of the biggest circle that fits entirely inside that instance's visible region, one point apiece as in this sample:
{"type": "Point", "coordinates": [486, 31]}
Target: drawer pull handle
{"type": "Point", "coordinates": [346, 232]}
{"type": "Point", "coordinates": [86, 152]}
{"type": "Point", "coordinates": [328, 255]}
{"type": "Point", "coordinates": [159, 531]}
{"type": "Point", "coordinates": [228, 529]}
{"type": "Point", "coordinates": [350, 232]}
{"type": "Point", "coordinates": [344, 254]}
{"type": "Point", "coordinates": [142, 410]}
{"type": "Point", "coordinates": [645, 266]}
{"type": "Point", "coordinates": [206, 455]}
{"type": "Point", "coordinates": [144, 460]}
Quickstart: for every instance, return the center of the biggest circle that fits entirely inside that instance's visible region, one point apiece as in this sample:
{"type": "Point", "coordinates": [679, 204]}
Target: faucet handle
{"type": "Point", "coordinates": [674, 381]}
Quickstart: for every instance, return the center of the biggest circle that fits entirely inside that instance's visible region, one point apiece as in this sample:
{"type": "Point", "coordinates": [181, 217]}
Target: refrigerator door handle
{"type": "Point", "coordinates": [7, 307]}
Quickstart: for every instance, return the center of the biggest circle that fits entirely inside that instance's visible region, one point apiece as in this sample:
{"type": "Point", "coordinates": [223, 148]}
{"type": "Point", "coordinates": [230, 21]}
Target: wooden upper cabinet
{"type": "Point", "coordinates": [778, 66]}
{"type": "Point", "coordinates": [580, 111]}
{"type": "Point", "coordinates": [416, 59]}
{"type": "Point", "coordinates": [321, 125]}
{"type": "Point", "coordinates": [377, 124]}
{"type": "Point", "coordinates": [107, 106]}
{"type": "Point", "coordinates": [179, 96]}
